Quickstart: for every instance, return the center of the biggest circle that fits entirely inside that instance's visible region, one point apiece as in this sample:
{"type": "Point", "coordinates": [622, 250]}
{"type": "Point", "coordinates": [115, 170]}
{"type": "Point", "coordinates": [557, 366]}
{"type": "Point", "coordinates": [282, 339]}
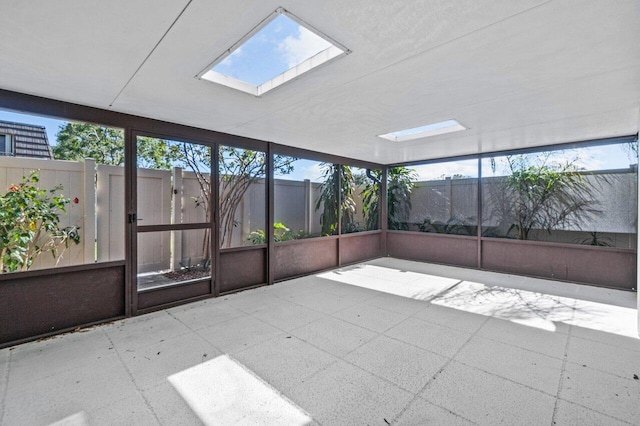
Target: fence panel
{"type": "Point", "coordinates": [71, 175]}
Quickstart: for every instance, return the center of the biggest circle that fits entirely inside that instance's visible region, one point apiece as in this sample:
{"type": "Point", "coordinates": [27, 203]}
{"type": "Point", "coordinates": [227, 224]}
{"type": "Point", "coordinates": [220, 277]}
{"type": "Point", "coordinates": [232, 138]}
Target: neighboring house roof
{"type": "Point", "coordinates": [28, 140]}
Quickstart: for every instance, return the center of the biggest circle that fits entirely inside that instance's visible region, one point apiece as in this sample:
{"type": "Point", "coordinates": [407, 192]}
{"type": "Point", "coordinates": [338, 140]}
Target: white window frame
{"type": "Point", "coordinates": [8, 145]}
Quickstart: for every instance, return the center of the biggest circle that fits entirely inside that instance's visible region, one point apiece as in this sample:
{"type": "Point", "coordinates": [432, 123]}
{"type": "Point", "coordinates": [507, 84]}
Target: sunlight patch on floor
{"type": "Point", "coordinates": [393, 281]}
{"type": "Point", "coordinates": [77, 419]}
{"type": "Point", "coordinates": [607, 318]}
{"type": "Point", "coordinates": [523, 307]}
{"type": "Point", "coordinates": [529, 308]}
{"type": "Point", "coordinates": [222, 392]}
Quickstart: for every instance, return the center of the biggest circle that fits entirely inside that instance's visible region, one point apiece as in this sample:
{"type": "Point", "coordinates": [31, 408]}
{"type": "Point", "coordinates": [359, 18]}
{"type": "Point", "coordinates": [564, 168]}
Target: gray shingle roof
{"type": "Point", "coordinates": [28, 140]}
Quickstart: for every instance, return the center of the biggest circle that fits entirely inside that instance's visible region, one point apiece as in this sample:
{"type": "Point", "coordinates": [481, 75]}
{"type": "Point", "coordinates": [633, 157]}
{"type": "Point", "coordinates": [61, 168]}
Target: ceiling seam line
{"type": "Point", "coordinates": [414, 56]}
{"type": "Point", "coordinates": [144, 61]}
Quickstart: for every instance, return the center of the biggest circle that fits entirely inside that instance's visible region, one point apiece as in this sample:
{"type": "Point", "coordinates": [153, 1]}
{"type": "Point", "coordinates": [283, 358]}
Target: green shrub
{"type": "Point", "coordinates": [280, 233]}
{"type": "Point", "coordinates": [30, 225]}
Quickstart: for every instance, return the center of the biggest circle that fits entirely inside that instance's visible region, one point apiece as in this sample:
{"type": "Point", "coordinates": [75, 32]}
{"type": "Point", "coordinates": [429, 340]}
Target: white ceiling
{"type": "Point", "coordinates": [517, 73]}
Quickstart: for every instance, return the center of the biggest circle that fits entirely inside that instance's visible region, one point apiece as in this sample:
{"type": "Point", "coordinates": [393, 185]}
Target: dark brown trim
{"type": "Point", "coordinates": [69, 111]}
{"type": "Point", "coordinates": [293, 277]}
{"type": "Point", "coordinates": [540, 148]}
{"type": "Point", "coordinates": [323, 157]}
{"type": "Point", "coordinates": [227, 293]}
{"type": "Point", "coordinates": [355, 234]}
{"type": "Point", "coordinates": [434, 234]}
{"type": "Point", "coordinates": [243, 248]}
{"type": "Point", "coordinates": [174, 293]}
{"type": "Point", "coordinates": [215, 220]}
{"type": "Point", "coordinates": [59, 332]}
{"type": "Point", "coordinates": [164, 306]}
{"type": "Point", "coordinates": [60, 270]}
{"type": "Point", "coordinates": [479, 202]}
{"type": "Point", "coordinates": [303, 240]}
{"type": "Point", "coordinates": [338, 182]}
{"type": "Point", "coordinates": [176, 284]}
{"type": "Point", "coordinates": [131, 209]}
{"type": "Point", "coordinates": [270, 219]}
{"type": "Point", "coordinates": [173, 227]}
{"type": "Point", "coordinates": [382, 210]}
{"type": "Point", "coordinates": [561, 245]}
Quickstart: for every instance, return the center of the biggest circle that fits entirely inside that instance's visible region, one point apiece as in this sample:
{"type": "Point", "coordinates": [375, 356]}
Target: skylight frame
{"type": "Point", "coordinates": [428, 130]}
{"type": "Point", "coordinates": [291, 74]}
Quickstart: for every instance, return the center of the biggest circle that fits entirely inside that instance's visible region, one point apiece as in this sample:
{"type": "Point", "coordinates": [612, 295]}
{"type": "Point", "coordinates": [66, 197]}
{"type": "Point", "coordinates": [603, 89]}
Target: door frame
{"type": "Point", "coordinates": [133, 228]}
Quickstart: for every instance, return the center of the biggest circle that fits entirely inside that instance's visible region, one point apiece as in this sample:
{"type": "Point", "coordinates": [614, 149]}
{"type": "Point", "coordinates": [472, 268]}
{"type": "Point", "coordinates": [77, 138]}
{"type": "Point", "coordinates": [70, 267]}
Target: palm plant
{"type": "Point", "coordinates": [542, 196]}
{"type": "Point", "coordinates": [401, 181]}
{"type": "Point", "coordinates": [336, 198]}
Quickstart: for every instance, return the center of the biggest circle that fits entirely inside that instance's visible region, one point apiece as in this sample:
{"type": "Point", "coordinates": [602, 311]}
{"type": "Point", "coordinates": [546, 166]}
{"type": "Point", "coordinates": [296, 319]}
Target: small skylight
{"type": "Point", "coordinates": [278, 50]}
{"type": "Point", "coordinates": [434, 129]}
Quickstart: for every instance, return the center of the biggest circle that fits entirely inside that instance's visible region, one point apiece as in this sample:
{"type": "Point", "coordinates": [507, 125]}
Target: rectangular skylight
{"type": "Point", "coordinates": [278, 50]}
{"type": "Point", "coordinates": [434, 129]}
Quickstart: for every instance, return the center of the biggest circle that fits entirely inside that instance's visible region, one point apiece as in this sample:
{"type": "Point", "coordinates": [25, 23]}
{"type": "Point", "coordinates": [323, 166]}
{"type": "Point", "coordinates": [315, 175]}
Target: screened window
{"type": "Point", "coordinates": [583, 196]}
{"type": "Point", "coordinates": [437, 197]}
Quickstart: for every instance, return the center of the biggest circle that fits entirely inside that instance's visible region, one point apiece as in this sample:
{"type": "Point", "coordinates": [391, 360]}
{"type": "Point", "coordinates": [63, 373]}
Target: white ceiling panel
{"type": "Point", "coordinates": [78, 51]}
{"type": "Point", "coordinates": [517, 73]}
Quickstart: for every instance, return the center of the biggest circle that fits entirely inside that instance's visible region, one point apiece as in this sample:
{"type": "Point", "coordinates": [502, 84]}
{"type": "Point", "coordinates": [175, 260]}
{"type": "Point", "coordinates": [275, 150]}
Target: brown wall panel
{"type": "Point", "coordinates": [165, 295]}
{"type": "Point", "coordinates": [300, 257]}
{"type": "Point", "coordinates": [241, 269]}
{"type": "Point", "coordinates": [447, 249]}
{"type": "Point", "coordinates": [42, 302]}
{"type": "Point", "coordinates": [602, 266]}
{"type": "Point", "coordinates": [361, 246]}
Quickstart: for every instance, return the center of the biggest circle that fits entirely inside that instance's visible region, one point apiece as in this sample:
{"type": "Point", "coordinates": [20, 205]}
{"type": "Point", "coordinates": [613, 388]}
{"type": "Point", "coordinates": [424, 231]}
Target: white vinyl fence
{"type": "Point", "coordinates": [166, 197]}
{"type": "Point", "coordinates": [77, 179]}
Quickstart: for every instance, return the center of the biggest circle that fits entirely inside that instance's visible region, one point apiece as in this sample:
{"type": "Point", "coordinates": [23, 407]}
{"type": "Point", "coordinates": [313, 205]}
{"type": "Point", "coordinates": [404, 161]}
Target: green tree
{"type": "Point", "coordinates": [30, 225]}
{"type": "Point", "coordinates": [336, 200]}
{"type": "Point", "coordinates": [77, 141]}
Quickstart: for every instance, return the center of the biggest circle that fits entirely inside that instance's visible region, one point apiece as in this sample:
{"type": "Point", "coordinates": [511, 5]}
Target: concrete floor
{"type": "Point", "coordinates": [383, 342]}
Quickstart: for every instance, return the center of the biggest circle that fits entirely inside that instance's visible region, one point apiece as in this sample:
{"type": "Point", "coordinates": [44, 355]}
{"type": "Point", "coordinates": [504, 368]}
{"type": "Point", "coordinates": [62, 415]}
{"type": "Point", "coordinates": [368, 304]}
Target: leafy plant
{"type": "Point", "coordinates": [542, 196]}
{"type": "Point", "coordinates": [455, 225]}
{"type": "Point", "coordinates": [371, 198]}
{"type": "Point", "coordinates": [336, 200]}
{"type": "Point", "coordinates": [280, 233]}
{"type": "Point", "coordinates": [77, 141]}
{"type": "Point", "coordinates": [596, 239]}
{"type": "Point", "coordinates": [401, 181]}
{"type": "Point", "coordinates": [30, 225]}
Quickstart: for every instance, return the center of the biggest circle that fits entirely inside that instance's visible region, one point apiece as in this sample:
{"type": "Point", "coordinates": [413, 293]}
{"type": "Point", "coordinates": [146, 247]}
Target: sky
{"type": "Point", "coordinates": [279, 46]}
{"type": "Point", "coordinates": [51, 124]}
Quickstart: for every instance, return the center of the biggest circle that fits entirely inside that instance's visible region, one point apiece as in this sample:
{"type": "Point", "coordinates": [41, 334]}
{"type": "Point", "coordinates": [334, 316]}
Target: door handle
{"type": "Point", "coordinates": [133, 217]}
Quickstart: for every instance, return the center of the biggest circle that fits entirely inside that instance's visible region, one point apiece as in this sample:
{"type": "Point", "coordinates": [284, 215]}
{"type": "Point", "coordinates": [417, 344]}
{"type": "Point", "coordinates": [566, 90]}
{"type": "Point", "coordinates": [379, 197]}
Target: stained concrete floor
{"type": "Point", "coordinates": [384, 342]}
